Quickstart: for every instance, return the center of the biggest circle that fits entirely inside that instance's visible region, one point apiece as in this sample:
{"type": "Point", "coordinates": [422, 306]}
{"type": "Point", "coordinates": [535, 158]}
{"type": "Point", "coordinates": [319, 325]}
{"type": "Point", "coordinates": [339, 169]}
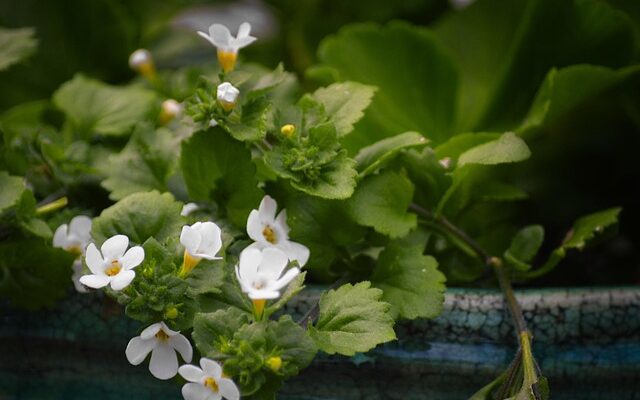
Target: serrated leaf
{"type": "Point", "coordinates": [344, 103]}
{"type": "Point", "coordinates": [508, 148]}
{"type": "Point", "coordinates": [227, 295]}
{"type": "Point", "coordinates": [524, 246]}
{"type": "Point", "coordinates": [372, 157]}
{"type": "Point", "coordinates": [336, 181]}
{"type": "Point", "coordinates": [32, 273]}
{"type": "Point", "coordinates": [251, 123]}
{"type": "Point", "coordinates": [213, 332]}
{"type": "Point", "coordinates": [16, 45]}
{"type": "Point", "coordinates": [586, 228]}
{"type": "Point", "coordinates": [206, 277]}
{"type": "Point", "coordinates": [216, 167]}
{"type": "Point", "coordinates": [381, 202]}
{"type": "Point", "coordinates": [94, 107]}
{"type": "Point", "coordinates": [411, 281]}
{"type": "Point", "coordinates": [140, 216]}
{"type": "Point", "coordinates": [352, 319]}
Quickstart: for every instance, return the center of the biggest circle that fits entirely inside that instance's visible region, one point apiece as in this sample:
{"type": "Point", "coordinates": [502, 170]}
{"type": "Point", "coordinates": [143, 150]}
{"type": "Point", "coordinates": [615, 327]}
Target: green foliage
{"type": "Point", "coordinates": [32, 273]}
{"type": "Point", "coordinates": [381, 202]}
{"type": "Point", "coordinates": [376, 155]}
{"type": "Point", "coordinates": [507, 148]}
{"type": "Point", "coordinates": [524, 247]}
{"type": "Point", "coordinates": [16, 45]}
{"type": "Point", "coordinates": [344, 103]}
{"type": "Point", "coordinates": [140, 216]}
{"type": "Point", "coordinates": [93, 107]}
{"type": "Point", "coordinates": [410, 281]}
{"type": "Point", "coordinates": [353, 318]}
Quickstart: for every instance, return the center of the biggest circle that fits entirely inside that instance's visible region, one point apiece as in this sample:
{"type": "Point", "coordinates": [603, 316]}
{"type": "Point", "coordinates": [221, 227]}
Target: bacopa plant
{"type": "Point", "coordinates": [232, 189]}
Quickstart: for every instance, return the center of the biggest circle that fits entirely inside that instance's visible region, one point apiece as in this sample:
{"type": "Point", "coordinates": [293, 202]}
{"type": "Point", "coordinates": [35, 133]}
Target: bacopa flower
{"type": "Point", "coordinates": [162, 343]}
{"type": "Point", "coordinates": [141, 61]}
{"type": "Point", "coordinates": [74, 237]}
{"type": "Point", "coordinates": [200, 240]}
{"type": "Point", "coordinates": [260, 274]}
{"type": "Point", "coordinates": [267, 230]}
{"type": "Point", "coordinates": [227, 95]}
{"type": "Point", "coordinates": [188, 208]}
{"type": "Point", "coordinates": [169, 110]}
{"type": "Point", "coordinates": [207, 382]}
{"type": "Point", "coordinates": [113, 264]}
{"type": "Point", "coordinates": [226, 44]}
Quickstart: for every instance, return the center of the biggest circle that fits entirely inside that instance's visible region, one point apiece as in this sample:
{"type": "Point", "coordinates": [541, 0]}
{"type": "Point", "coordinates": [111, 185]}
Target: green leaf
{"type": "Point", "coordinates": [344, 103]}
{"type": "Point", "coordinates": [336, 181]}
{"type": "Point", "coordinates": [429, 176]}
{"type": "Point", "coordinates": [206, 277]}
{"type": "Point", "coordinates": [508, 148]}
{"type": "Point", "coordinates": [144, 164]}
{"type": "Point", "coordinates": [213, 332]}
{"type": "Point", "coordinates": [420, 98]}
{"type": "Point", "coordinates": [13, 188]}
{"type": "Point", "coordinates": [33, 274]}
{"type": "Point", "coordinates": [381, 202]}
{"type": "Point", "coordinates": [586, 228]}
{"type": "Point", "coordinates": [226, 295]}
{"type": "Point", "coordinates": [16, 45]}
{"type": "Point", "coordinates": [524, 246]}
{"type": "Point", "coordinates": [140, 216]}
{"type": "Point", "coordinates": [411, 281]}
{"type": "Point", "coordinates": [250, 124]}
{"type": "Point", "coordinates": [95, 107]}
{"type": "Point", "coordinates": [458, 144]}
{"type": "Point", "coordinates": [216, 167]}
{"type": "Point", "coordinates": [372, 157]}
{"type": "Point", "coordinates": [353, 318]}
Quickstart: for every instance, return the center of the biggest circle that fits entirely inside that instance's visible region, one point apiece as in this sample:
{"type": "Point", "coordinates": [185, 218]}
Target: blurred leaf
{"type": "Point", "coordinates": [372, 157]}
{"type": "Point", "coordinates": [94, 107]}
{"type": "Point", "coordinates": [352, 319]}
{"type": "Point", "coordinates": [586, 228]}
{"type": "Point", "coordinates": [344, 103]}
{"type": "Point", "coordinates": [506, 149]}
{"type": "Point", "coordinates": [16, 45]}
{"type": "Point", "coordinates": [13, 188]}
{"type": "Point", "coordinates": [459, 144]}
{"type": "Point", "coordinates": [213, 332]}
{"type": "Point", "coordinates": [524, 247]}
{"type": "Point", "coordinates": [251, 123]}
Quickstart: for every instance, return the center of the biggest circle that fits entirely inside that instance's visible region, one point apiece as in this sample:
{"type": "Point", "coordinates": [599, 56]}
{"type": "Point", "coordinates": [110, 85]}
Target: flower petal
{"type": "Point", "coordinates": [281, 222]}
{"type": "Point", "coordinates": [242, 42]}
{"type": "Point", "coordinates": [94, 260]}
{"type": "Point", "coordinates": [195, 391]}
{"type": "Point", "coordinates": [181, 345]}
{"type": "Point", "coordinates": [114, 247]}
{"type": "Point", "coordinates": [189, 207]}
{"type": "Point", "coordinates": [274, 261]}
{"type": "Point", "coordinates": [122, 280]}
{"type": "Point", "coordinates": [95, 281]}
{"type": "Point", "coordinates": [255, 226]}
{"type": "Point", "coordinates": [250, 259]}
{"type": "Point", "coordinates": [81, 226]}
{"type": "Point", "coordinates": [228, 389]}
{"type": "Point", "coordinates": [168, 331]}
{"type": "Point", "coordinates": [284, 281]}
{"type": "Point", "coordinates": [190, 239]}
{"type": "Point", "coordinates": [191, 373]}
{"type": "Point", "coordinates": [297, 252]}
{"type": "Point", "coordinates": [204, 35]}
{"type": "Point", "coordinates": [138, 349]}
{"type": "Point", "coordinates": [267, 210]}
{"type": "Point", "coordinates": [211, 368]}
{"type": "Point", "coordinates": [263, 294]}
{"type": "Point", "coordinates": [60, 236]}
{"type": "Point", "coordinates": [151, 330]}
{"type": "Point", "coordinates": [164, 362]}
{"type": "Point", "coordinates": [244, 30]}
{"type": "Point", "coordinates": [220, 35]}
{"type": "Point", "coordinates": [132, 258]}
{"type": "Point", "coordinates": [210, 240]}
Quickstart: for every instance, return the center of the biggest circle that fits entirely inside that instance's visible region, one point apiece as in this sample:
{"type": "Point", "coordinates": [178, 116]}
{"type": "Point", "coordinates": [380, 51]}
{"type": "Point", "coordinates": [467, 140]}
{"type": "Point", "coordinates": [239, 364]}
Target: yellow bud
{"type": "Point", "coordinates": [288, 130]}
{"type": "Point", "coordinates": [171, 313]}
{"type": "Point", "coordinates": [274, 363]}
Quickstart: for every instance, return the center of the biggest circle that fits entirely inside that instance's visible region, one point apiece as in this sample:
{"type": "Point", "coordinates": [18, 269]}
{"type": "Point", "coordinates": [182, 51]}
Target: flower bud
{"type": "Point", "coordinates": [227, 95]}
{"type": "Point", "coordinates": [274, 363]}
{"type": "Point", "coordinates": [170, 109]}
{"type": "Point", "coordinates": [141, 61]}
{"type": "Point", "coordinates": [288, 130]}
{"type": "Point", "coordinates": [171, 313]}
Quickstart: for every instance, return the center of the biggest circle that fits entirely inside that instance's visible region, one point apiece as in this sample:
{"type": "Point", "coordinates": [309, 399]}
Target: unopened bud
{"type": "Point", "coordinates": [274, 363]}
{"type": "Point", "coordinates": [288, 130]}
{"type": "Point", "coordinates": [227, 95]}
{"type": "Point", "coordinates": [170, 110]}
{"type": "Point", "coordinates": [141, 61]}
{"type": "Point", "coordinates": [445, 162]}
{"type": "Point", "coordinates": [171, 313]}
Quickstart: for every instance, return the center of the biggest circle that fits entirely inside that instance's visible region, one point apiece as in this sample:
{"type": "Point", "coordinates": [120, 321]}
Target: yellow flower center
{"type": "Point", "coordinates": [115, 267]}
{"type": "Point", "coordinates": [211, 384]}
{"type": "Point", "coordinates": [75, 250]}
{"type": "Point", "coordinates": [227, 60]}
{"type": "Point", "coordinates": [269, 234]}
{"type": "Point", "coordinates": [162, 336]}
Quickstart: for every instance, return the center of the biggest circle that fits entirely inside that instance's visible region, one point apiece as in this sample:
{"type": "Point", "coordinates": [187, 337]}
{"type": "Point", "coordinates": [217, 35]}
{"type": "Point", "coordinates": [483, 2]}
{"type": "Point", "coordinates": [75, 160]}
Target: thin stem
{"type": "Point", "coordinates": [52, 206]}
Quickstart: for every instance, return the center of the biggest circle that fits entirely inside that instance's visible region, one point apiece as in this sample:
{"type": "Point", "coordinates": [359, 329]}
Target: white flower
{"type": "Point", "coordinates": [169, 110]}
{"type": "Point", "coordinates": [141, 61]}
{"type": "Point", "coordinates": [207, 382]}
{"type": "Point", "coordinates": [270, 231]}
{"type": "Point", "coordinates": [227, 45]}
{"type": "Point", "coordinates": [162, 343]}
{"type": "Point", "coordinates": [74, 237]}
{"type": "Point", "coordinates": [227, 94]}
{"type": "Point", "coordinates": [260, 272]}
{"type": "Point", "coordinates": [188, 209]}
{"type": "Point", "coordinates": [202, 240]}
{"type": "Point", "coordinates": [111, 265]}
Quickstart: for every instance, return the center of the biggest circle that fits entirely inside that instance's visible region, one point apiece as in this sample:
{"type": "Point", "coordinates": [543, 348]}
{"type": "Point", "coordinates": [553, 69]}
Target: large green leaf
{"type": "Point", "coordinates": [216, 167]}
{"type": "Point", "coordinates": [508, 148]}
{"type": "Point", "coordinates": [372, 157]}
{"type": "Point", "coordinates": [416, 81]}
{"type": "Point", "coordinates": [140, 216]}
{"type": "Point", "coordinates": [410, 280]}
{"type": "Point", "coordinates": [95, 107]}
{"type": "Point", "coordinates": [353, 318]}
{"type": "Point", "coordinates": [344, 103]}
{"type": "Point", "coordinates": [16, 45]}
{"type": "Point", "coordinates": [32, 273]}
{"type": "Point", "coordinates": [381, 202]}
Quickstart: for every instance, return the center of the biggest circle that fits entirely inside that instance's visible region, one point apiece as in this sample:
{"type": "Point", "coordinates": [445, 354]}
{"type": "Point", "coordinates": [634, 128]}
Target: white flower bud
{"type": "Point", "coordinates": [227, 95]}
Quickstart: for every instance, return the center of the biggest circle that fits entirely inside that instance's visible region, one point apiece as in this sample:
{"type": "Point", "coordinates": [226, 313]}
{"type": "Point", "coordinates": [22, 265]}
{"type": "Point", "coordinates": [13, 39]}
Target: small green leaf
{"type": "Point", "coordinates": [508, 148]}
{"type": "Point", "coordinates": [16, 45]}
{"type": "Point", "coordinates": [95, 107]}
{"type": "Point", "coordinates": [336, 181]}
{"type": "Point", "coordinates": [586, 228]}
{"type": "Point", "coordinates": [13, 189]}
{"type": "Point", "coordinates": [411, 281]}
{"type": "Point", "coordinates": [353, 318]}
{"type": "Point", "coordinates": [250, 124]}
{"type": "Point", "coordinates": [226, 295]}
{"type": "Point", "coordinates": [344, 103]}
{"type": "Point", "coordinates": [372, 157]}
{"type": "Point", "coordinates": [140, 216]}
{"type": "Point", "coordinates": [206, 277]}
{"type": "Point", "coordinates": [459, 144]}
{"type": "Point", "coordinates": [524, 246]}
{"type": "Point", "coordinates": [213, 332]}
{"type": "Point", "coordinates": [381, 202]}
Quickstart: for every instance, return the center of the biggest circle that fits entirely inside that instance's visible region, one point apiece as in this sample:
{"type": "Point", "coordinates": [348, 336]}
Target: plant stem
{"type": "Point", "coordinates": [52, 206]}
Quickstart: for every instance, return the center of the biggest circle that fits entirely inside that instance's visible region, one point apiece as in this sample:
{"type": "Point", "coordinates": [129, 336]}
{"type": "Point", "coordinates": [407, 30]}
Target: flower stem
{"type": "Point", "coordinates": [52, 206]}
